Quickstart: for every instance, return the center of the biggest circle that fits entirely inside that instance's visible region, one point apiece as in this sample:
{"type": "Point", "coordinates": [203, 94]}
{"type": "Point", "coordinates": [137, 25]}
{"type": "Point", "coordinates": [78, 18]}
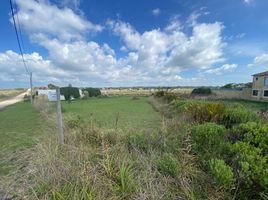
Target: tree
{"type": "Point", "coordinates": [51, 86]}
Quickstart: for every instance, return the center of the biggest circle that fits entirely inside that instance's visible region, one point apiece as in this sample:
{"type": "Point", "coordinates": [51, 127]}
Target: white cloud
{"type": "Point", "coordinates": [12, 67]}
{"type": "Point", "coordinates": [41, 17]}
{"type": "Point", "coordinates": [259, 60]}
{"type": "Point", "coordinates": [156, 12]}
{"type": "Point", "coordinates": [71, 3]}
{"type": "Point", "coordinates": [154, 57]}
{"type": "Point", "coordinates": [223, 69]}
{"type": "Point", "coordinates": [129, 35]}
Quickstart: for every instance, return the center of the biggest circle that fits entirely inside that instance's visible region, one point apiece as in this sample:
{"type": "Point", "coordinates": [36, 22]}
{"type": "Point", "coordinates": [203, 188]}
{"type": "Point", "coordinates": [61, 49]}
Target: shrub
{"type": "Point", "coordinates": [202, 91]}
{"type": "Point", "coordinates": [239, 114]}
{"type": "Point", "coordinates": [254, 133]}
{"type": "Point", "coordinates": [253, 168]}
{"type": "Point", "coordinates": [169, 97]}
{"type": "Point", "coordinates": [69, 92]}
{"type": "Point", "coordinates": [159, 93]}
{"type": "Point", "coordinates": [168, 165]}
{"type": "Point", "coordinates": [222, 172]}
{"type": "Point", "coordinates": [208, 140]}
{"type": "Point", "coordinates": [205, 112]}
{"type": "Point", "coordinates": [92, 92]}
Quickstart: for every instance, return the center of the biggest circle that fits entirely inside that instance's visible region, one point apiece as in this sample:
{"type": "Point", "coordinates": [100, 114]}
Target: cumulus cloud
{"type": "Point", "coordinates": [223, 69]}
{"type": "Point", "coordinates": [153, 57]}
{"type": "Point", "coordinates": [156, 12]}
{"type": "Point", "coordinates": [12, 67]}
{"type": "Point", "coordinates": [259, 60]}
{"type": "Point", "coordinates": [172, 48]}
{"type": "Point", "coordinates": [42, 18]}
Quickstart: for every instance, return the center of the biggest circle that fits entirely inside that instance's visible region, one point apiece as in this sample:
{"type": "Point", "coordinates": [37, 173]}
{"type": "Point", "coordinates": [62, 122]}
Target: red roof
{"type": "Point", "coordinates": [261, 74]}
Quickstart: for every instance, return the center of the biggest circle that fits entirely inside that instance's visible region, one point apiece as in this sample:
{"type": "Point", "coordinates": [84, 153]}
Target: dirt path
{"type": "Point", "coordinates": [13, 100]}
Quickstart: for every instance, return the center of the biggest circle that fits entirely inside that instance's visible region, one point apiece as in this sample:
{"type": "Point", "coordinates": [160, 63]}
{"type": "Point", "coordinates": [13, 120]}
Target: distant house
{"type": "Point", "coordinates": [260, 86]}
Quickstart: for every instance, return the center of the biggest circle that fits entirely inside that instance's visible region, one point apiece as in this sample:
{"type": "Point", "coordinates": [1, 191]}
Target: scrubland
{"type": "Point", "coordinates": [157, 147]}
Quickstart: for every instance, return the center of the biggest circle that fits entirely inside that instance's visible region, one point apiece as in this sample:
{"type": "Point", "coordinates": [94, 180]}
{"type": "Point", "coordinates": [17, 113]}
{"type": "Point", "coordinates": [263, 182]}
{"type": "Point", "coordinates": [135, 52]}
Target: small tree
{"type": "Point", "coordinates": [70, 92]}
{"type": "Point", "coordinates": [202, 91]}
{"type": "Point", "coordinates": [92, 92]}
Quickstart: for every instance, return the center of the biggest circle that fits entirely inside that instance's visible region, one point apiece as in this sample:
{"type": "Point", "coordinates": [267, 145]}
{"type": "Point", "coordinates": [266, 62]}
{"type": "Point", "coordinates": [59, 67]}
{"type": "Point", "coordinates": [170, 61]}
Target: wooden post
{"type": "Point", "coordinates": [61, 136]}
{"type": "Point", "coordinates": [31, 85]}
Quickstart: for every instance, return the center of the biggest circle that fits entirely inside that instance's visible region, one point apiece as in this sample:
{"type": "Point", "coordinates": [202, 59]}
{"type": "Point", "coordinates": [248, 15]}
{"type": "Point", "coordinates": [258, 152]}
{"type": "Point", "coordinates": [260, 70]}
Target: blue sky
{"type": "Point", "coordinates": [134, 43]}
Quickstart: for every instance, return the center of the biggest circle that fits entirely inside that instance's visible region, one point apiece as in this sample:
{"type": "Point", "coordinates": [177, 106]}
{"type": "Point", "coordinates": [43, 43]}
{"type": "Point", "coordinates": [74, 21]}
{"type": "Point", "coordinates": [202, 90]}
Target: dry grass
{"type": "Point", "coordinates": [100, 163]}
{"type": "Point", "coordinates": [142, 92]}
{"type": "Point", "coordinates": [8, 93]}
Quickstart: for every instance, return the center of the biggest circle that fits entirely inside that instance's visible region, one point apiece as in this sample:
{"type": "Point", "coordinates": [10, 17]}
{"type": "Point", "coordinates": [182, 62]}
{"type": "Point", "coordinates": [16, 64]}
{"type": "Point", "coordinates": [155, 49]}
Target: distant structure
{"type": "Point", "coordinates": [260, 86]}
{"type": "Point", "coordinates": [48, 94]}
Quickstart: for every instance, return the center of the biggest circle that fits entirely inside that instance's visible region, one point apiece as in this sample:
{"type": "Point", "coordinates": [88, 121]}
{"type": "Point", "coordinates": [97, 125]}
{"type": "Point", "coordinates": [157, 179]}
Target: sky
{"type": "Point", "coordinates": [115, 43]}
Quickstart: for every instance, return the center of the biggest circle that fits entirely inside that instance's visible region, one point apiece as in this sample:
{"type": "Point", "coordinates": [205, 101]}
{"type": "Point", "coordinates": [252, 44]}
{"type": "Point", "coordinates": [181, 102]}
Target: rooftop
{"type": "Point", "coordinates": [261, 74]}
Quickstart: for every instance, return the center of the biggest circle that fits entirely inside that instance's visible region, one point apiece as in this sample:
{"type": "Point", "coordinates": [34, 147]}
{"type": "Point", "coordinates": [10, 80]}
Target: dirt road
{"type": "Point", "coordinates": [13, 100]}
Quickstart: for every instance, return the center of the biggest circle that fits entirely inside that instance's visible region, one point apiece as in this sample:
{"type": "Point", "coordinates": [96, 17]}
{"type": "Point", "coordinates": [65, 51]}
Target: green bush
{"type": "Point", "coordinates": [159, 93]}
{"type": "Point", "coordinates": [92, 92]}
{"type": "Point", "coordinates": [205, 112]}
{"type": "Point", "coordinates": [168, 165]}
{"type": "Point", "coordinates": [222, 172]}
{"type": "Point", "coordinates": [253, 168]}
{"type": "Point", "coordinates": [69, 92]}
{"type": "Point", "coordinates": [253, 133]}
{"type": "Point", "coordinates": [169, 97]}
{"type": "Point", "coordinates": [209, 140]}
{"type": "Point", "coordinates": [238, 114]}
{"type": "Point", "coordinates": [202, 91]}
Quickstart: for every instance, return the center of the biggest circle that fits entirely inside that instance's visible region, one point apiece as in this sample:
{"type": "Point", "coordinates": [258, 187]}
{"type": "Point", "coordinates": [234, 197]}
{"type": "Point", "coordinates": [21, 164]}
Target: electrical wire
{"type": "Point", "coordinates": [18, 40]}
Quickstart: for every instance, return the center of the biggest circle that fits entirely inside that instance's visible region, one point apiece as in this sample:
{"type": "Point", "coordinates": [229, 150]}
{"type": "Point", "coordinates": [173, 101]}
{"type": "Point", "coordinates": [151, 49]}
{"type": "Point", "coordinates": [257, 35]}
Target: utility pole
{"type": "Point", "coordinates": [61, 136]}
{"type": "Point", "coordinates": [31, 84]}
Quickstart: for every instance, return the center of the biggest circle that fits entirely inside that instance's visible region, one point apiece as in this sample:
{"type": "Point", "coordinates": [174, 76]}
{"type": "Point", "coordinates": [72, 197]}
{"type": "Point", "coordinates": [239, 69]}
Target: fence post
{"type": "Point", "coordinates": [61, 136]}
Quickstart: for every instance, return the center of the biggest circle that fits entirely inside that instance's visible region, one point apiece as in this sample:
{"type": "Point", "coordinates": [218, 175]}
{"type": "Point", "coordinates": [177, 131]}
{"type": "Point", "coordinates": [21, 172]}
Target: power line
{"type": "Point", "coordinates": [21, 52]}
{"type": "Point", "coordinates": [18, 40]}
{"type": "Point", "coordinates": [19, 27]}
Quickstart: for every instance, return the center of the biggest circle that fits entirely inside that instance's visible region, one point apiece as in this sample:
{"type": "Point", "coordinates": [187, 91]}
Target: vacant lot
{"type": "Point", "coordinates": [19, 127]}
{"type": "Point", "coordinates": [126, 112]}
{"type": "Point", "coordinates": [186, 154]}
{"type": "Point", "coordinates": [6, 94]}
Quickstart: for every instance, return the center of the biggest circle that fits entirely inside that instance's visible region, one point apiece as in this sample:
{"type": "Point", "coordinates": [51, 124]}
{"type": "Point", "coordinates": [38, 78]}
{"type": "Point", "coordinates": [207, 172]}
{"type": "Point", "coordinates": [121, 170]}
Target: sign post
{"type": "Point", "coordinates": [61, 136]}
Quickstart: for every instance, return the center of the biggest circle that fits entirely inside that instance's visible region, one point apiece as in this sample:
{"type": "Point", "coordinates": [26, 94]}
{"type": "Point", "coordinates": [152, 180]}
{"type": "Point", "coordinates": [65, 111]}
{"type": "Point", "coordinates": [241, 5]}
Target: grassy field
{"type": "Point", "coordinates": [100, 160]}
{"type": "Point", "coordinates": [105, 111]}
{"type": "Point", "coordinates": [19, 126]}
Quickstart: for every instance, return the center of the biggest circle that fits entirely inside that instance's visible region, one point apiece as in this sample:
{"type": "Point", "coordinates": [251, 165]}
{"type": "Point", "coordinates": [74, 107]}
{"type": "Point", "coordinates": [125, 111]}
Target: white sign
{"type": "Point", "coordinates": [52, 95]}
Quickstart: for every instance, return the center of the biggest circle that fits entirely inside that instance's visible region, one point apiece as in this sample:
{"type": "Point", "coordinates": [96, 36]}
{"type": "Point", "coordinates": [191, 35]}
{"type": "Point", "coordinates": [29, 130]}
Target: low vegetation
{"type": "Point", "coordinates": [6, 93]}
{"type": "Point", "coordinates": [201, 91]}
{"type": "Point", "coordinates": [120, 148]}
{"type": "Point", "coordinates": [91, 92]}
{"type": "Point", "coordinates": [69, 92]}
{"type": "Point", "coordinates": [20, 125]}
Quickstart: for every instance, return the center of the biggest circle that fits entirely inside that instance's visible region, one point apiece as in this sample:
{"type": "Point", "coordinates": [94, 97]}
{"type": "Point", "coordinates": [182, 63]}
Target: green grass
{"type": "Point", "coordinates": [250, 104]}
{"type": "Point", "coordinates": [19, 127]}
{"type": "Point", "coordinates": [130, 113]}
{"type": "Point", "coordinates": [257, 105]}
